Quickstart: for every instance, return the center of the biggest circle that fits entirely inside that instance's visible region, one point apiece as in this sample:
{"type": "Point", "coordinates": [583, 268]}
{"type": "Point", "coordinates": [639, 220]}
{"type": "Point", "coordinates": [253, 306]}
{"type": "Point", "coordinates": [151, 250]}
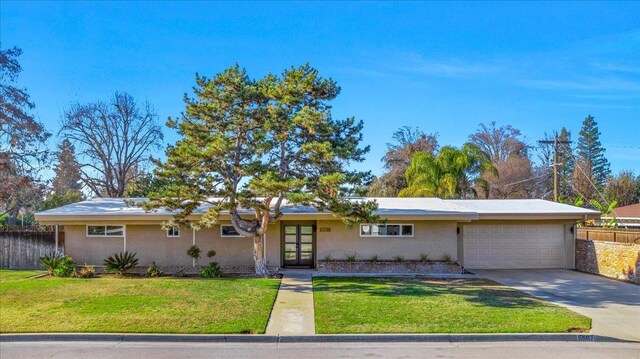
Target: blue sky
{"type": "Point", "coordinates": [444, 67]}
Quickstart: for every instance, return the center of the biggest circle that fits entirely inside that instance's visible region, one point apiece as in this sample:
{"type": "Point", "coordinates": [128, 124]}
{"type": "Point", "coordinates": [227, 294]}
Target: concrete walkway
{"type": "Point", "coordinates": [613, 306]}
{"type": "Point", "coordinates": [292, 312]}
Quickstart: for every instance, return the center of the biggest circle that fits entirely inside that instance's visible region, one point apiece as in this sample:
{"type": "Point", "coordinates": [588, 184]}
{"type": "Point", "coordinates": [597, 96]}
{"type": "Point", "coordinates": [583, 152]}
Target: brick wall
{"type": "Point", "coordinates": [615, 260]}
{"type": "Point", "coordinates": [388, 267]}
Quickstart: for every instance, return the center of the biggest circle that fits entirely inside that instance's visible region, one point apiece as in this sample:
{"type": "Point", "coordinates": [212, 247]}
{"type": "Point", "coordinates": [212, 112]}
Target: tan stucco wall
{"type": "Point", "coordinates": [569, 238]}
{"type": "Point", "coordinates": [434, 238]}
{"type": "Point", "coordinates": [150, 243]}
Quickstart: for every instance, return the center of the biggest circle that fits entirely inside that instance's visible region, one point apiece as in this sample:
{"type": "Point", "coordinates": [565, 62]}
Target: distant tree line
{"type": "Point", "coordinates": [496, 162]}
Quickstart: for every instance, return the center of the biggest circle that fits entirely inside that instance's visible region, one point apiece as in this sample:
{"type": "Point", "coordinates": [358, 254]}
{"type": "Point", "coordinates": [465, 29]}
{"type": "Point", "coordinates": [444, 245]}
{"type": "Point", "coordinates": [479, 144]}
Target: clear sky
{"type": "Point", "coordinates": [445, 67]}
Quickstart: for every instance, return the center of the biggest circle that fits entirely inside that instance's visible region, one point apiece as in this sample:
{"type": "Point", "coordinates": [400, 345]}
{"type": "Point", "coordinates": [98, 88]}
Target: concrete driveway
{"type": "Point", "coordinates": [613, 306]}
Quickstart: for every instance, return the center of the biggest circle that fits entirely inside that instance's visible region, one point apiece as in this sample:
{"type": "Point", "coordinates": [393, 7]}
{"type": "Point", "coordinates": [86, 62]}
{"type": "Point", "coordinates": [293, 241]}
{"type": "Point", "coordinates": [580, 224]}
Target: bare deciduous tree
{"type": "Point", "coordinates": [113, 141]}
{"type": "Point", "coordinates": [407, 141]}
{"type": "Point", "coordinates": [622, 188]}
{"type": "Point", "coordinates": [515, 180]}
{"type": "Point", "coordinates": [499, 143]}
{"type": "Point", "coordinates": [509, 153]}
{"type": "Point", "coordinates": [22, 140]}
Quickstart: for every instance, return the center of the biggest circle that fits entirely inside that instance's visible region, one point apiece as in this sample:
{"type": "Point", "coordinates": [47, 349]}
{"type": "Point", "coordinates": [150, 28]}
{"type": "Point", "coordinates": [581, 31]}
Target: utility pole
{"type": "Point", "coordinates": [555, 143]}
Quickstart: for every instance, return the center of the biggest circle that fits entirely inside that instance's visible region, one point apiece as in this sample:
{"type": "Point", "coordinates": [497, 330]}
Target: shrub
{"type": "Point", "coordinates": [211, 253]}
{"type": "Point", "coordinates": [154, 270]}
{"type": "Point", "coordinates": [57, 264]}
{"type": "Point", "coordinates": [327, 258]}
{"type": "Point", "coordinates": [374, 258]}
{"type": "Point", "coordinates": [351, 258]}
{"type": "Point", "coordinates": [447, 259]}
{"type": "Point", "coordinates": [194, 252]}
{"type": "Point", "coordinates": [121, 263]}
{"type": "Point", "coordinates": [180, 272]}
{"type": "Point", "coordinates": [213, 270]}
{"type": "Point", "coordinates": [51, 261]}
{"type": "Point", "coordinates": [424, 257]}
{"type": "Point", "coordinates": [86, 271]}
{"type": "Point", "coordinates": [398, 258]}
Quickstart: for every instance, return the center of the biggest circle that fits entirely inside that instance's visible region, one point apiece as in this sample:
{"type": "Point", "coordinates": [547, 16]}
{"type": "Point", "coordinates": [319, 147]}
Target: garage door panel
{"type": "Point", "coordinates": [513, 246]}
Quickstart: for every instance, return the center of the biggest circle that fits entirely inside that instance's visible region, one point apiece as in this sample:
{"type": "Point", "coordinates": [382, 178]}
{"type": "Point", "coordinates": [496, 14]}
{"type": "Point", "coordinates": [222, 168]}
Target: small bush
{"type": "Point", "coordinates": [154, 270]}
{"type": "Point", "coordinates": [86, 271]}
{"type": "Point", "coordinates": [213, 270]}
{"type": "Point", "coordinates": [424, 257]}
{"type": "Point", "coordinates": [58, 265]}
{"type": "Point", "coordinates": [447, 259]}
{"type": "Point", "coordinates": [374, 258]}
{"type": "Point", "coordinates": [181, 272]}
{"type": "Point", "coordinates": [351, 258]}
{"type": "Point", "coordinates": [398, 259]}
{"type": "Point", "coordinates": [121, 263]}
{"type": "Point", "coordinates": [194, 252]}
{"type": "Point", "coordinates": [211, 253]}
{"type": "Point", "coordinates": [327, 258]}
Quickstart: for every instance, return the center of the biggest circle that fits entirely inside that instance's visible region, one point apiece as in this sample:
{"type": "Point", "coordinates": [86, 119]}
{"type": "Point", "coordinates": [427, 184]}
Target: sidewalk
{"type": "Point", "coordinates": [292, 313]}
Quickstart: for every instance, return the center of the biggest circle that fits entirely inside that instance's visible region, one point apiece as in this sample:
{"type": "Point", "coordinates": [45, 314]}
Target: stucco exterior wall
{"type": "Point", "coordinates": [434, 238]}
{"type": "Point", "coordinates": [150, 243]}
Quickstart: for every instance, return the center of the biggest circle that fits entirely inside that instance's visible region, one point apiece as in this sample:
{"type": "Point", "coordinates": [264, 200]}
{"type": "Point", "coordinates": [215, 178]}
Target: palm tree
{"type": "Point", "coordinates": [452, 173]}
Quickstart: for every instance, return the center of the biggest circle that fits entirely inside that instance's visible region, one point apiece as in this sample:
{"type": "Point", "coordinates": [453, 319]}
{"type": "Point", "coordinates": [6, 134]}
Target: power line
{"type": "Point", "coordinates": [555, 143]}
{"type": "Point", "coordinates": [577, 164]}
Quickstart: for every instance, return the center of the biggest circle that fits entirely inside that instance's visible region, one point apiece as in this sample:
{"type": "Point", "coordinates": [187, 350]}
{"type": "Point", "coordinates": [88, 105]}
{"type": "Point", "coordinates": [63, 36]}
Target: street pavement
{"type": "Point", "coordinates": [144, 350]}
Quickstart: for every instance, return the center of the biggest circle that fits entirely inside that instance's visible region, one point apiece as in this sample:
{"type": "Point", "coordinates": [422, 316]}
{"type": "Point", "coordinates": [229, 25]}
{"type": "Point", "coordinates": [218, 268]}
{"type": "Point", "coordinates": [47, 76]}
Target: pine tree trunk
{"type": "Point", "coordinates": [258, 256]}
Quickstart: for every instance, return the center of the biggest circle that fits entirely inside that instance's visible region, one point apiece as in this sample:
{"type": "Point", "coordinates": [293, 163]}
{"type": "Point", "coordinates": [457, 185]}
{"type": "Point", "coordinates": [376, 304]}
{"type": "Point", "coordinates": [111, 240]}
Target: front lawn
{"type": "Point", "coordinates": [421, 305]}
{"type": "Point", "coordinates": [134, 305]}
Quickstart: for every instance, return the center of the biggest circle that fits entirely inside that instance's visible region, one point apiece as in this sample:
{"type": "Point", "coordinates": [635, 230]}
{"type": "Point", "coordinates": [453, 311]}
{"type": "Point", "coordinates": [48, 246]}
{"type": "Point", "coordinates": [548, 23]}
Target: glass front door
{"type": "Point", "coordinates": [298, 245]}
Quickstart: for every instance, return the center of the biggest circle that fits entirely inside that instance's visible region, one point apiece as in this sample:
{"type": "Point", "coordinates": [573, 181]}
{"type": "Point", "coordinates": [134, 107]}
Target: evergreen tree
{"type": "Point", "coordinates": [591, 152]}
{"type": "Point", "coordinates": [67, 169]}
{"type": "Point", "coordinates": [262, 145]}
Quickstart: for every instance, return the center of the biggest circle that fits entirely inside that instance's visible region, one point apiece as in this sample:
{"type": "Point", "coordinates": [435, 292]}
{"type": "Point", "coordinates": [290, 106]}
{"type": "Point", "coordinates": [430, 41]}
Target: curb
{"type": "Point", "coordinates": [327, 338]}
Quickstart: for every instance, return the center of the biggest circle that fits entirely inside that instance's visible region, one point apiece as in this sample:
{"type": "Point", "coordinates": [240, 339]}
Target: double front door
{"type": "Point", "coordinates": [298, 244]}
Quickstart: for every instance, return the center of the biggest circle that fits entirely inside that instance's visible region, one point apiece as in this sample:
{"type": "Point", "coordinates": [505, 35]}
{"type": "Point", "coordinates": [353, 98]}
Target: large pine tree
{"type": "Point", "coordinates": [591, 152]}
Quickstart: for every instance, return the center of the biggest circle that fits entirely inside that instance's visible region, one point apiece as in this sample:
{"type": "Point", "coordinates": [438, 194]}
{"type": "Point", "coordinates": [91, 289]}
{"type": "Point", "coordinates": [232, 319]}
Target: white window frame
{"type": "Point", "coordinates": [124, 230]}
{"type": "Point", "coordinates": [175, 228]}
{"type": "Point", "coordinates": [386, 235]}
{"type": "Point", "coordinates": [228, 236]}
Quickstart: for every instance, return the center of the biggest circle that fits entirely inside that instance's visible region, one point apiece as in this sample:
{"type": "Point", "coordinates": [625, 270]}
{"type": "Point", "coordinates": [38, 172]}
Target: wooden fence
{"type": "Point", "coordinates": [617, 235]}
{"type": "Point", "coordinates": [22, 247]}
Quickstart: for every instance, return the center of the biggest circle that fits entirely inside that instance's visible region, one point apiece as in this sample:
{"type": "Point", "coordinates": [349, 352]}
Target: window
{"type": "Point", "coordinates": [105, 231]}
{"type": "Point", "coordinates": [386, 230]}
{"type": "Point", "coordinates": [228, 231]}
{"type": "Point", "coordinates": [173, 231]}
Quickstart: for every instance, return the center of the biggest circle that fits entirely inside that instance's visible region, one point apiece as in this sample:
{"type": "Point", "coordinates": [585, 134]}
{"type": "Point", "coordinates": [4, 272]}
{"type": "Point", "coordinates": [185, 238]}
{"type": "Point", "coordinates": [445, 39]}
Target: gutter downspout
{"type": "Point", "coordinates": [264, 248]}
{"type": "Point", "coordinates": [125, 238]}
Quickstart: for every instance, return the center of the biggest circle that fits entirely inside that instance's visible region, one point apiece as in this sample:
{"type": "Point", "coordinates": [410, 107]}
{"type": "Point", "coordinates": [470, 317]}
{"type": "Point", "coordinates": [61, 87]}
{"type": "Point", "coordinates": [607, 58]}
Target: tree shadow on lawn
{"type": "Point", "coordinates": [480, 291]}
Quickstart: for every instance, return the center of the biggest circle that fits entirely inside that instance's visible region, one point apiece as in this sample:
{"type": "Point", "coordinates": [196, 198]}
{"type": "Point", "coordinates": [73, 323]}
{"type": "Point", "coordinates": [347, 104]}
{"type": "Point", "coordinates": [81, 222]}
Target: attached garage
{"type": "Point", "coordinates": [519, 234]}
{"type": "Point", "coordinates": [514, 246]}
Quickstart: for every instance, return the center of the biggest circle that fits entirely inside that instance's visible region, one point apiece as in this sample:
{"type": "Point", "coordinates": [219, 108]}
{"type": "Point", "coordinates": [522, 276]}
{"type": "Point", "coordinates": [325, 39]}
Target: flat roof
{"type": "Point", "coordinates": [520, 206]}
{"type": "Point", "coordinates": [414, 208]}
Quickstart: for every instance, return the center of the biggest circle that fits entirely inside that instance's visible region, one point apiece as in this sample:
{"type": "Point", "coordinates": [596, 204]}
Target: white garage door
{"type": "Point", "coordinates": [513, 246]}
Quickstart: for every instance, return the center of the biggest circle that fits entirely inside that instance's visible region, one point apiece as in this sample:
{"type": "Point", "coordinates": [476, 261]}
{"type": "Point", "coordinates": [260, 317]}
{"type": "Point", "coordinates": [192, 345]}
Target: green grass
{"type": "Point", "coordinates": [134, 305]}
{"type": "Point", "coordinates": [420, 305]}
